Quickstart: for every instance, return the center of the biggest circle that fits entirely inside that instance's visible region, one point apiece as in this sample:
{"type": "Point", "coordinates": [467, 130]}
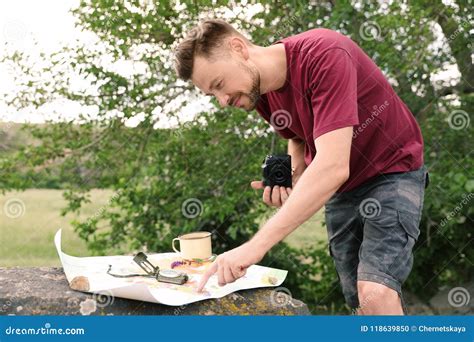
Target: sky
{"type": "Point", "coordinates": [46, 20]}
{"type": "Point", "coordinates": [21, 23]}
{"type": "Point", "coordinates": [49, 23]}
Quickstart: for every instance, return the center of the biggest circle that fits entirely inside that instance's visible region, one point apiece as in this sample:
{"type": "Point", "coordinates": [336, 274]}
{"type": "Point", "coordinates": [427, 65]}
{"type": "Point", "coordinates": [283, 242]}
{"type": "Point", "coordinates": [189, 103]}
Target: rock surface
{"type": "Point", "coordinates": [457, 300]}
{"type": "Point", "coordinates": [415, 306]}
{"type": "Point", "coordinates": [45, 291]}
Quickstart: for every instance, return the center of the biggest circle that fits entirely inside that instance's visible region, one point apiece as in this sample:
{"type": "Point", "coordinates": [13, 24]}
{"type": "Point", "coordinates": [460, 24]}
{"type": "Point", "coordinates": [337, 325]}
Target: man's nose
{"type": "Point", "coordinates": [223, 100]}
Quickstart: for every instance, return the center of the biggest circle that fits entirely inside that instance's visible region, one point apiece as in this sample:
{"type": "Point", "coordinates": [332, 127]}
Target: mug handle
{"type": "Point", "coordinates": [174, 248]}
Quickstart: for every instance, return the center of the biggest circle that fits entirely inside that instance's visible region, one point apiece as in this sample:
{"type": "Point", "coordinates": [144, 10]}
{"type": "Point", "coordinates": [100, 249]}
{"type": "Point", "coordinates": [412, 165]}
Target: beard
{"type": "Point", "coordinates": [254, 93]}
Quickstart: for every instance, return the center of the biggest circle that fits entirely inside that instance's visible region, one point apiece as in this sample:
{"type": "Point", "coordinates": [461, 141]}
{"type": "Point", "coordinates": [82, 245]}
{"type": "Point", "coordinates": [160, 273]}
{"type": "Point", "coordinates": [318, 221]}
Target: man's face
{"type": "Point", "coordinates": [232, 80]}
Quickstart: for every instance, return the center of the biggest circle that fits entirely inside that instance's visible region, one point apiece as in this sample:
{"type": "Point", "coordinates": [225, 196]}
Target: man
{"type": "Point", "coordinates": [356, 149]}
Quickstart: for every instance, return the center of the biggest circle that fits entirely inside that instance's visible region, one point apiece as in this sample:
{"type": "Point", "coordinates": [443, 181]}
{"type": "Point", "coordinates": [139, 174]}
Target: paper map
{"type": "Point", "coordinates": [89, 274]}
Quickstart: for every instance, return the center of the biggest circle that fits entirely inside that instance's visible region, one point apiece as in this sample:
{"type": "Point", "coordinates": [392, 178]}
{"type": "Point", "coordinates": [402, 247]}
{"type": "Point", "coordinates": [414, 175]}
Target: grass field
{"type": "Point", "coordinates": [27, 240]}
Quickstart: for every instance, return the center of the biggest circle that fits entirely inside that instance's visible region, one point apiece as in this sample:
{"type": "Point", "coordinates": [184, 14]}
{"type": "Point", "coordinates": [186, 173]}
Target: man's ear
{"type": "Point", "coordinates": [238, 46]}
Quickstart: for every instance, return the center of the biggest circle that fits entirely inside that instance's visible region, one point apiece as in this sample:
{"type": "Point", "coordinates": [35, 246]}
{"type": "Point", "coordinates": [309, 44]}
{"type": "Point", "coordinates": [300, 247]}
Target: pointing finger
{"type": "Point", "coordinates": [211, 270]}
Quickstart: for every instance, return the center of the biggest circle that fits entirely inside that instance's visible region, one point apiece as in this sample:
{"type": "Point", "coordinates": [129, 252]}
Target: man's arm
{"type": "Point", "coordinates": [327, 172]}
{"type": "Point", "coordinates": [296, 151]}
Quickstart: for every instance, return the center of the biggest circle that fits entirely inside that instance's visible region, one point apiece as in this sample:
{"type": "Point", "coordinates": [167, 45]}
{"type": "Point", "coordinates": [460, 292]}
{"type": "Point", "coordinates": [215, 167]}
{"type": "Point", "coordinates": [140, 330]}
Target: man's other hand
{"type": "Point", "coordinates": [275, 197]}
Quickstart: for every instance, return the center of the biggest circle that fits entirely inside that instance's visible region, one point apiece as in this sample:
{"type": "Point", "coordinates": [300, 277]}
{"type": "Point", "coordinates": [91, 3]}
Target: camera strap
{"type": "Point", "coordinates": [272, 144]}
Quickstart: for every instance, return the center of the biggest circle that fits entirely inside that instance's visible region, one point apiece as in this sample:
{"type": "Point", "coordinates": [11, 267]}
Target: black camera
{"type": "Point", "coordinates": [277, 170]}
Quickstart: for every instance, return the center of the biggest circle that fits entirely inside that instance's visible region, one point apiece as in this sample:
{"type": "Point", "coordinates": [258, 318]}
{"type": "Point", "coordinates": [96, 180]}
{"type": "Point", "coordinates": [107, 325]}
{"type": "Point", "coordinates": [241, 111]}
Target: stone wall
{"type": "Point", "coordinates": [45, 291]}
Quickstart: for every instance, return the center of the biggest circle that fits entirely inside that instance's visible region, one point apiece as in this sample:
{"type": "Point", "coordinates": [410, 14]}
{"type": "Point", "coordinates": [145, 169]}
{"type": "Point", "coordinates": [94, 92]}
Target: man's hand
{"type": "Point", "coordinates": [275, 197]}
{"type": "Point", "coordinates": [232, 265]}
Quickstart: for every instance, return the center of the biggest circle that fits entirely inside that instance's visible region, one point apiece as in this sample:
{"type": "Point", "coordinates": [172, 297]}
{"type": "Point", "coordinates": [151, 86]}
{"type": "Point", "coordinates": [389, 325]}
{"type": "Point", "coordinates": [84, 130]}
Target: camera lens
{"type": "Point", "coordinates": [279, 176]}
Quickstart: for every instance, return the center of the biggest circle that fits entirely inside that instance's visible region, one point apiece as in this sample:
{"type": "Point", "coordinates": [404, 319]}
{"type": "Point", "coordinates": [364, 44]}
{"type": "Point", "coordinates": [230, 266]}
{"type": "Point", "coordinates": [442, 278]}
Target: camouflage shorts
{"type": "Point", "coordinates": [372, 230]}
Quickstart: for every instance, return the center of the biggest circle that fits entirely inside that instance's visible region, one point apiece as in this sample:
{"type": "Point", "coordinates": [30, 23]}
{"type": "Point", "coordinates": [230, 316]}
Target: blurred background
{"type": "Point", "coordinates": [98, 137]}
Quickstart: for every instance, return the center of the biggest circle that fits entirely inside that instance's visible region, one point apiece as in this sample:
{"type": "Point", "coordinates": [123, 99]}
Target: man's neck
{"type": "Point", "coordinates": [271, 63]}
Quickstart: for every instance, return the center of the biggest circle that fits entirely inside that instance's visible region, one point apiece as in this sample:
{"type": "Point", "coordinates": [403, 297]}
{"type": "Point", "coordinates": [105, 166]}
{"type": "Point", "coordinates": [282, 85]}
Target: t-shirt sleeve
{"type": "Point", "coordinates": [333, 88]}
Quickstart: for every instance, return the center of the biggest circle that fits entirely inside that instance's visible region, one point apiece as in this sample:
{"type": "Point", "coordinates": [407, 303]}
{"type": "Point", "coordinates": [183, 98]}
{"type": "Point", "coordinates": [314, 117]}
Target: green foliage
{"type": "Point", "coordinates": [212, 159]}
{"type": "Point", "coordinates": [209, 166]}
{"type": "Point", "coordinates": [445, 251]}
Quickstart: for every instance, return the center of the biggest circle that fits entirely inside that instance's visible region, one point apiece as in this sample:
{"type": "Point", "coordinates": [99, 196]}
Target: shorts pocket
{"type": "Point", "coordinates": [410, 224]}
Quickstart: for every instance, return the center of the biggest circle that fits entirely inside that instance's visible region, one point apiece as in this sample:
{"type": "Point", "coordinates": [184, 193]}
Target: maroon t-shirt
{"type": "Point", "coordinates": [331, 83]}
